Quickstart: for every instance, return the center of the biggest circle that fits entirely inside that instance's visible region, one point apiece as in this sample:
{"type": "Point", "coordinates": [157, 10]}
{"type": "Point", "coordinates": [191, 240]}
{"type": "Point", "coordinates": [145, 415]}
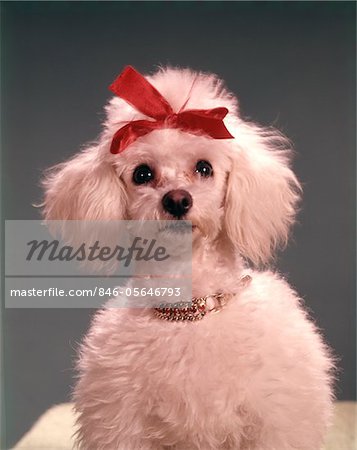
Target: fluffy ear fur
{"type": "Point", "coordinates": [85, 187]}
{"type": "Point", "coordinates": [262, 193]}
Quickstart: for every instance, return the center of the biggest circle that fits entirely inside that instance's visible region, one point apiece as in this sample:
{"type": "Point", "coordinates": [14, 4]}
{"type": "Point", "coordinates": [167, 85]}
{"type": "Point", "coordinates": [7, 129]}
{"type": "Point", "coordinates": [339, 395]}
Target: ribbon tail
{"type": "Point", "coordinates": [135, 89]}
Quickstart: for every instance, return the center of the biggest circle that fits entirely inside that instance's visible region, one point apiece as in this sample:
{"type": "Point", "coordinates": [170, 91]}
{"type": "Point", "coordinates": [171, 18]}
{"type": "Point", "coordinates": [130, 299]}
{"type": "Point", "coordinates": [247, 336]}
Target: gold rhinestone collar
{"type": "Point", "coordinates": [198, 307]}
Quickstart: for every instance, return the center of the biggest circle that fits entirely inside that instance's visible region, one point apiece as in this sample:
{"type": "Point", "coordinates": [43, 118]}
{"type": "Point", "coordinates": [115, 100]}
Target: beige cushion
{"type": "Point", "coordinates": [54, 429]}
{"type": "Point", "coordinates": [343, 433]}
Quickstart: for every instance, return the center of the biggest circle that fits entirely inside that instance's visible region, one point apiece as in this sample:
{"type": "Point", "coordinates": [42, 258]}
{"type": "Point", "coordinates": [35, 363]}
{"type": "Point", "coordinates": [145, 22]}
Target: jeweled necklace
{"type": "Point", "coordinates": [198, 307]}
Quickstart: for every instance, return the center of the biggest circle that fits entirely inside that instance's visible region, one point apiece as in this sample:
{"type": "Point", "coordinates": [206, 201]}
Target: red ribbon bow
{"type": "Point", "coordinates": [132, 87]}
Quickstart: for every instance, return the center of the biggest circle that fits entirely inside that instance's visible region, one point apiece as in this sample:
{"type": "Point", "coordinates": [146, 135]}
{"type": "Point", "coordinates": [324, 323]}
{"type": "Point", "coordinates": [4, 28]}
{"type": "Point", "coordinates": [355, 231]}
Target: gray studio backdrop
{"type": "Point", "coordinates": [291, 65]}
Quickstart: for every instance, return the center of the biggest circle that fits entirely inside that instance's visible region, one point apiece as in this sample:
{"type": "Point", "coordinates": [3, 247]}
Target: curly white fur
{"type": "Point", "coordinates": [256, 376]}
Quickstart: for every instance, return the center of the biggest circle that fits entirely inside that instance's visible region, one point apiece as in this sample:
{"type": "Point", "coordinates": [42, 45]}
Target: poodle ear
{"type": "Point", "coordinates": [262, 194]}
{"type": "Point", "coordinates": [85, 187]}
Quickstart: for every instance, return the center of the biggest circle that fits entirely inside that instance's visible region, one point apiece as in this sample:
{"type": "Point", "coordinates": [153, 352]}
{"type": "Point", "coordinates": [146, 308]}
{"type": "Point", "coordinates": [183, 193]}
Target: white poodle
{"type": "Point", "coordinates": [257, 374]}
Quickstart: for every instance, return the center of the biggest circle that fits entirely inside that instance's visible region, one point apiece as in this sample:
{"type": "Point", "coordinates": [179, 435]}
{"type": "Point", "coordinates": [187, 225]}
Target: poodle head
{"type": "Point", "coordinates": [241, 189]}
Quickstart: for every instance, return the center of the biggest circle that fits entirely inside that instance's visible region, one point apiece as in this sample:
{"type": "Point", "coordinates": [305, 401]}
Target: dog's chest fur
{"type": "Point", "coordinates": [210, 384]}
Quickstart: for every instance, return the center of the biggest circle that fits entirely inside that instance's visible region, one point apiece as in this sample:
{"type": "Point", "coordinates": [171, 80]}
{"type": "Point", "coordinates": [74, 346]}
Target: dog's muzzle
{"type": "Point", "coordinates": [177, 202]}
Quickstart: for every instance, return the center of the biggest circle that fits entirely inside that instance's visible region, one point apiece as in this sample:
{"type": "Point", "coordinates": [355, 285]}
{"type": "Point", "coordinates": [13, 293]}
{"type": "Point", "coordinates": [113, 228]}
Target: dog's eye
{"type": "Point", "coordinates": [143, 174]}
{"type": "Point", "coordinates": [204, 168]}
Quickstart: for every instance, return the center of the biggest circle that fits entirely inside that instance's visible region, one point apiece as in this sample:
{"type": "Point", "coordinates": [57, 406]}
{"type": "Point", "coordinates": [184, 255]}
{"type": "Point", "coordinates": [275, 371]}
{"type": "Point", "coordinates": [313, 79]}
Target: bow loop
{"type": "Point", "coordinates": [132, 87]}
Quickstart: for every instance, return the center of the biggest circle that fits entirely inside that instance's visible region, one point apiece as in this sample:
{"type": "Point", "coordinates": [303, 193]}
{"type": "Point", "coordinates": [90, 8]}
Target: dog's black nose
{"type": "Point", "coordinates": [177, 202]}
